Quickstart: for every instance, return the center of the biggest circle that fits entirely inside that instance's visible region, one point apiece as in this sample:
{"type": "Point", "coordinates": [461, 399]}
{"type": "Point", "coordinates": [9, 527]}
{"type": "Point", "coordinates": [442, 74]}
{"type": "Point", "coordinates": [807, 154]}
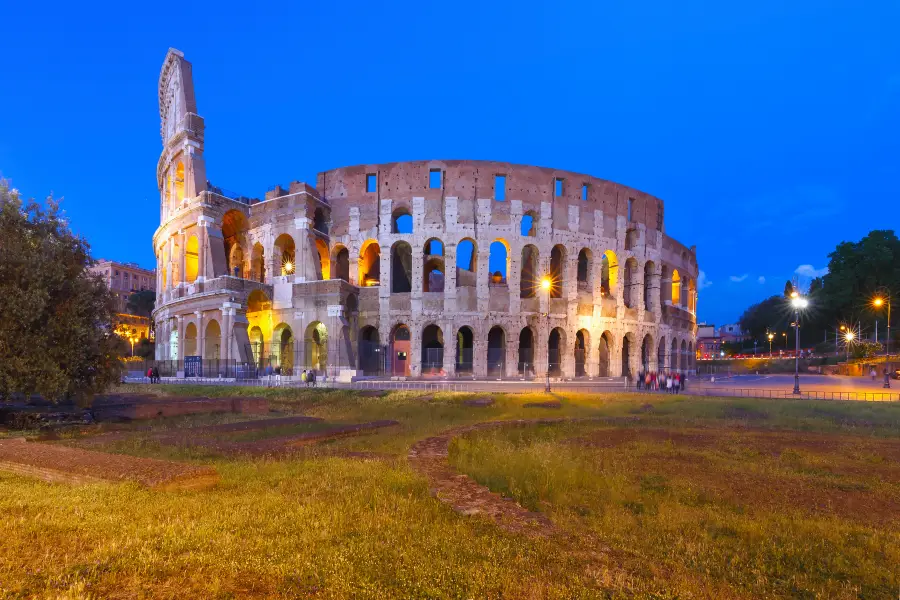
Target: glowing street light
{"type": "Point", "coordinates": [771, 337]}
{"type": "Point", "coordinates": [878, 302]}
{"type": "Point", "coordinates": [799, 303]}
{"type": "Point", "coordinates": [547, 283]}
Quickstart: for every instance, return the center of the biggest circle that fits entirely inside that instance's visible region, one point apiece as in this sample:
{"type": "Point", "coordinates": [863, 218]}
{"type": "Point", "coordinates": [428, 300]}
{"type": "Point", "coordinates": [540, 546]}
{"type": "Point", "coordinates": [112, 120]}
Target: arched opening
{"type": "Point", "coordinates": [661, 355]}
{"type": "Point", "coordinates": [465, 345]}
{"type": "Point", "coordinates": [370, 359]}
{"type": "Point", "coordinates": [173, 345]}
{"type": "Point", "coordinates": [370, 264]}
{"type": "Point", "coordinates": [191, 259]}
{"type": "Point", "coordinates": [665, 285]}
{"type": "Point", "coordinates": [466, 263]}
{"type": "Point", "coordinates": [342, 263]}
{"type": "Point", "coordinates": [316, 341]}
{"type": "Point", "coordinates": [258, 263]}
{"type": "Point", "coordinates": [528, 284]}
{"type": "Point", "coordinates": [400, 347]}
{"type": "Point", "coordinates": [629, 284]}
{"type": "Point", "coordinates": [498, 263]}
{"type": "Point", "coordinates": [692, 295]}
{"type": "Point", "coordinates": [646, 352]}
{"type": "Point", "coordinates": [649, 274]}
{"type": "Point", "coordinates": [212, 342]}
{"type": "Point", "coordinates": [432, 349]}
{"type": "Point", "coordinates": [683, 361]}
{"type": "Point", "coordinates": [496, 353]}
{"type": "Point", "coordinates": [258, 301]}
{"type": "Point", "coordinates": [691, 358]}
{"type": "Point", "coordinates": [257, 346]}
{"type": "Point", "coordinates": [528, 226]}
{"type": "Point", "coordinates": [282, 355]}
{"type": "Point", "coordinates": [557, 270]}
{"type": "Point", "coordinates": [320, 220]}
{"type": "Point", "coordinates": [627, 344]}
{"type": "Point", "coordinates": [582, 343]}
{"type": "Point", "coordinates": [673, 356]}
{"type": "Point", "coordinates": [526, 352]}
{"type": "Point", "coordinates": [324, 270]}
{"type": "Point", "coordinates": [285, 253]}
{"type": "Point", "coordinates": [433, 266]}
{"type": "Point", "coordinates": [190, 340]}
{"type": "Point", "coordinates": [609, 272]}
{"type": "Point", "coordinates": [554, 354]}
{"type": "Point", "coordinates": [401, 221]}
{"type": "Point", "coordinates": [179, 182]}
{"type": "Point", "coordinates": [676, 288]}
{"type": "Point", "coordinates": [234, 233]}
{"type": "Point", "coordinates": [401, 268]}
{"type": "Point", "coordinates": [606, 343]}
{"type": "Point", "coordinates": [585, 267]}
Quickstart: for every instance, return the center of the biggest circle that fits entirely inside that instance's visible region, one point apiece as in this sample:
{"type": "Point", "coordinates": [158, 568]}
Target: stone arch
{"type": "Point", "coordinates": [676, 288]}
{"type": "Point", "coordinates": [629, 283]}
{"type": "Point", "coordinates": [234, 237]}
{"type": "Point", "coordinates": [173, 345]}
{"type": "Point", "coordinates": [557, 270]}
{"type": "Point", "coordinates": [341, 262]}
{"type": "Point", "coordinates": [673, 356]}
{"type": "Point", "coordinates": [324, 270]}
{"type": "Point", "coordinates": [528, 226]}
{"type": "Point", "coordinates": [258, 301]}
{"type": "Point", "coordinates": [369, 264]}
{"type": "Point", "coordinates": [401, 340]}
{"type": "Point", "coordinates": [191, 260]}
{"type": "Point", "coordinates": [582, 343]}
{"type": "Point", "coordinates": [529, 281]}
{"type": "Point", "coordinates": [285, 255]}
{"type": "Point", "coordinates": [258, 263]}
{"type": "Point", "coordinates": [282, 349]}
{"type": "Point", "coordinates": [191, 340]}
{"type": "Point", "coordinates": [432, 349]}
{"type": "Point", "coordinates": [684, 356]}
{"type": "Point", "coordinates": [466, 263]}
{"type": "Point", "coordinates": [628, 350]}
{"type": "Point", "coordinates": [179, 182]}
{"type": "Point", "coordinates": [465, 349]}
{"type": "Point", "coordinates": [212, 341]}
{"type": "Point", "coordinates": [604, 351]}
{"type": "Point", "coordinates": [496, 351]}
{"type": "Point", "coordinates": [257, 345]}
{"type": "Point", "coordinates": [401, 268]}
{"type": "Point", "coordinates": [369, 348]}
{"type": "Point", "coordinates": [556, 341]}
{"type": "Point", "coordinates": [646, 352]}
{"type": "Point", "coordinates": [661, 355]}
{"type": "Point", "coordinates": [433, 270]}
{"type": "Point", "coordinates": [665, 285]}
{"type": "Point", "coordinates": [401, 220]}
{"type": "Point", "coordinates": [526, 351]}
{"type": "Point", "coordinates": [585, 268]}
{"type": "Point", "coordinates": [498, 261]}
{"type": "Point", "coordinates": [609, 273]}
{"type": "Point", "coordinates": [649, 276]}
{"type": "Point", "coordinates": [316, 346]}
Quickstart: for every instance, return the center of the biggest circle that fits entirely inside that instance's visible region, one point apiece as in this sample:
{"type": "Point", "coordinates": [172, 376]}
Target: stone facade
{"type": "Point", "coordinates": [416, 268]}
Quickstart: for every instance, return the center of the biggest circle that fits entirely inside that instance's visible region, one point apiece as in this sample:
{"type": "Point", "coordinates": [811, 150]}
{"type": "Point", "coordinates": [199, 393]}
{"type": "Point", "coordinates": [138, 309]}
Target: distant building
{"type": "Point", "coordinates": [123, 280]}
{"type": "Point", "coordinates": [709, 341]}
{"type": "Point", "coordinates": [732, 333]}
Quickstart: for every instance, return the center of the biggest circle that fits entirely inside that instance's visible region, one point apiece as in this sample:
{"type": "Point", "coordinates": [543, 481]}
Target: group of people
{"type": "Point", "coordinates": [651, 381]}
{"type": "Point", "coordinates": [153, 374]}
{"type": "Point", "coordinates": [308, 377]}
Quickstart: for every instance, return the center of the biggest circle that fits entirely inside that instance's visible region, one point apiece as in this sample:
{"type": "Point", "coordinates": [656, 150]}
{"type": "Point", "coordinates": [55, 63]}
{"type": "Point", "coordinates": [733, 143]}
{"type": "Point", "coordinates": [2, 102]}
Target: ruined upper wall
{"type": "Point", "coordinates": [470, 180]}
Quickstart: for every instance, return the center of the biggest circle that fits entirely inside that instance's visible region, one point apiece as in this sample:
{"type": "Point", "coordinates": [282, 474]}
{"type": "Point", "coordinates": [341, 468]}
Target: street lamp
{"type": "Point", "coordinates": [799, 303]}
{"type": "Point", "coordinates": [878, 302]}
{"type": "Point", "coordinates": [771, 337]}
{"type": "Point", "coordinates": [849, 338]}
{"type": "Point", "coordinates": [546, 283]}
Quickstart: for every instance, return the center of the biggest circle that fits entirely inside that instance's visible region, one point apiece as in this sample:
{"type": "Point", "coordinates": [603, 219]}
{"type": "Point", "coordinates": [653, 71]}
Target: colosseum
{"type": "Point", "coordinates": [436, 268]}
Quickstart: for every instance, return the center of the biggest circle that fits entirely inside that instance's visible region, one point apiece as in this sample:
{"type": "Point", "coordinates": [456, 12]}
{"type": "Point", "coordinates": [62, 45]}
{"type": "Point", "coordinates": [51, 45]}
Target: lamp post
{"type": "Point", "coordinates": [771, 337]}
{"type": "Point", "coordinates": [547, 284]}
{"type": "Point", "coordinates": [798, 302]}
{"type": "Point", "coordinates": [849, 339]}
{"type": "Point", "coordinates": [878, 302]}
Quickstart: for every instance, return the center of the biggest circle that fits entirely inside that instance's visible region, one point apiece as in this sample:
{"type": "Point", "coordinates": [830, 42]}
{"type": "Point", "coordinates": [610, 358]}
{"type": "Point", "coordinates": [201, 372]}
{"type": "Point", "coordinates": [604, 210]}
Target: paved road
{"type": "Point", "coordinates": [825, 383]}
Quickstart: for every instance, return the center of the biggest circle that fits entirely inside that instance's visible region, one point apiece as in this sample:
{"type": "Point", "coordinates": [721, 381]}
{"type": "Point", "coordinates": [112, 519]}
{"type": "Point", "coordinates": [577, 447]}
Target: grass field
{"type": "Point", "coordinates": [685, 498]}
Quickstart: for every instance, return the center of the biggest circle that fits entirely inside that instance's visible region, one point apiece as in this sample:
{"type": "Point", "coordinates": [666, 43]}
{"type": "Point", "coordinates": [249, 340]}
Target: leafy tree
{"type": "Point", "coordinates": [145, 349]}
{"type": "Point", "coordinates": [788, 289]}
{"type": "Point", "coordinates": [142, 304]}
{"type": "Point", "coordinates": [56, 333]}
{"type": "Point", "coordinates": [768, 315]}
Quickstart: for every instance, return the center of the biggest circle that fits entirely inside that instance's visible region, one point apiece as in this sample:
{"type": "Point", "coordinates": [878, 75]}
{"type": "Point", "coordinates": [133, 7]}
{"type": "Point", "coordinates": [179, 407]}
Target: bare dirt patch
{"type": "Point", "coordinates": [73, 465]}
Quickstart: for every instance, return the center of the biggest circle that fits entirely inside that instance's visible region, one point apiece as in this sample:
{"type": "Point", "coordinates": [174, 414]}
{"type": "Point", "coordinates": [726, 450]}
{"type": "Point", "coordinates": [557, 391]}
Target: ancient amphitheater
{"type": "Point", "coordinates": [426, 268]}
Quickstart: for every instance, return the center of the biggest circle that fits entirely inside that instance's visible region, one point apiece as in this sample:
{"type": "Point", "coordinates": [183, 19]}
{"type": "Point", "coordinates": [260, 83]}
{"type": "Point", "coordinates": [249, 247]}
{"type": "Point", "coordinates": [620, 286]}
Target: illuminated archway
{"type": "Point", "coordinates": [324, 260]}
{"type": "Point", "coordinates": [190, 340]}
{"type": "Point", "coordinates": [370, 264]}
{"type": "Point", "coordinates": [606, 345]}
{"type": "Point", "coordinates": [316, 340]}
{"type": "Point", "coordinates": [285, 255]}
{"type": "Point", "coordinates": [191, 259]}
{"type": "Point", "coordinates": [676, 288]}
{"type": "Point", "coordinates": [557, 270]}
{"type": "Point", "coordinates": [609, 273]}
{"type": "Point", "coordinates": [582, 343]}
{"type": "Point", "coordinates": [212, 342]}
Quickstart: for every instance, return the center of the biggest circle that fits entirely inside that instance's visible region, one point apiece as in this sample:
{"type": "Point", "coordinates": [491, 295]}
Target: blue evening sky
{"type": "Point", "coordinates": [771, 129]}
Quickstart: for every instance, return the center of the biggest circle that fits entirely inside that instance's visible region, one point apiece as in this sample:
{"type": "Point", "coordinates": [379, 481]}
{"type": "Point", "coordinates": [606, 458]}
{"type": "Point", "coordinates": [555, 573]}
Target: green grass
{"type": "Point", "coordinates": [647, 517]}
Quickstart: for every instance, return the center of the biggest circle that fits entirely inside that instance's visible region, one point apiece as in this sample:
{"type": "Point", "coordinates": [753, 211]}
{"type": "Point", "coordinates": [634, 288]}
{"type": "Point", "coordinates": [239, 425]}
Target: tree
{"type": "Point", "coordinates": [788, 289]}
{"type": "Point", "coordinates": [142, 304]}
{"type": "Point", "coordinates": [56, 318]}
{"type": "Point", "coordinates": [769, 315]}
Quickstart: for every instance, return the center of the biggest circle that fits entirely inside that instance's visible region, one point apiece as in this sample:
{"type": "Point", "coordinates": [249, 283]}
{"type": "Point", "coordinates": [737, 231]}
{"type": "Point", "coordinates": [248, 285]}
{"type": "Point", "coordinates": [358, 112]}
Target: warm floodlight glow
{"type": "Point", "coordinates": [878, 301]}
{"type": "Point", "coordinates": [545, 283]}
{"type": "Point", "coordinates": [798, 302]}
{"type": "Point", "coordinates": [849, 336]}
{"type": "Point", "coordinates": [288, 267]}
{"type": "Point", "coordinates": [794, 294]}
{"type": "Point", "coordinates": [771, 337]}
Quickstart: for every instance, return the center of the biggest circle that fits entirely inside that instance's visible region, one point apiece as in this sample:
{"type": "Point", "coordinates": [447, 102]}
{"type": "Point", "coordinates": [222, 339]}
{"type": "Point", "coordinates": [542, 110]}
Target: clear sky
{"type": "Point", "coordinates": [771, 129]}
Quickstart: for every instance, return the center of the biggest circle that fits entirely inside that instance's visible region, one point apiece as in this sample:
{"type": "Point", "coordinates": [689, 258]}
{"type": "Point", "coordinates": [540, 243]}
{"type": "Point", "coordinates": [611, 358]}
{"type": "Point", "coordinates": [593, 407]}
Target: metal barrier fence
{"type": "Point", "coordinates": [787, 394]}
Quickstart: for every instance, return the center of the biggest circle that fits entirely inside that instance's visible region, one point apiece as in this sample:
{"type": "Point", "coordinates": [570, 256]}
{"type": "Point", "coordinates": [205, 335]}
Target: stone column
{"type": "Point", "coordinates": [450, 343]}
{"type": "Point", "coordinates": [512, 354]}
{"type": "Point", "coordinates": [479, 352]}
{"type": "Point", "coordinates": [182, 246]}
{"type": "Point", "coordinates": [483, 278]}
{"type": "Point", "coordinates": [180, 347]}
{"type": "Point", "coordinates": [201, 335]}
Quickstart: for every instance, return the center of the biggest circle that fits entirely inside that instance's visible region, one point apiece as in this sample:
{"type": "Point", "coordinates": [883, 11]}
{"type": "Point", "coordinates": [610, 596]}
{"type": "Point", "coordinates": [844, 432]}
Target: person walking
{"type": "Point", "coordinates": [669, 384]}
{"type": "Point", "coordinates": [311, 378]}
{"type": "Point", "coordinates": [303, 376]}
